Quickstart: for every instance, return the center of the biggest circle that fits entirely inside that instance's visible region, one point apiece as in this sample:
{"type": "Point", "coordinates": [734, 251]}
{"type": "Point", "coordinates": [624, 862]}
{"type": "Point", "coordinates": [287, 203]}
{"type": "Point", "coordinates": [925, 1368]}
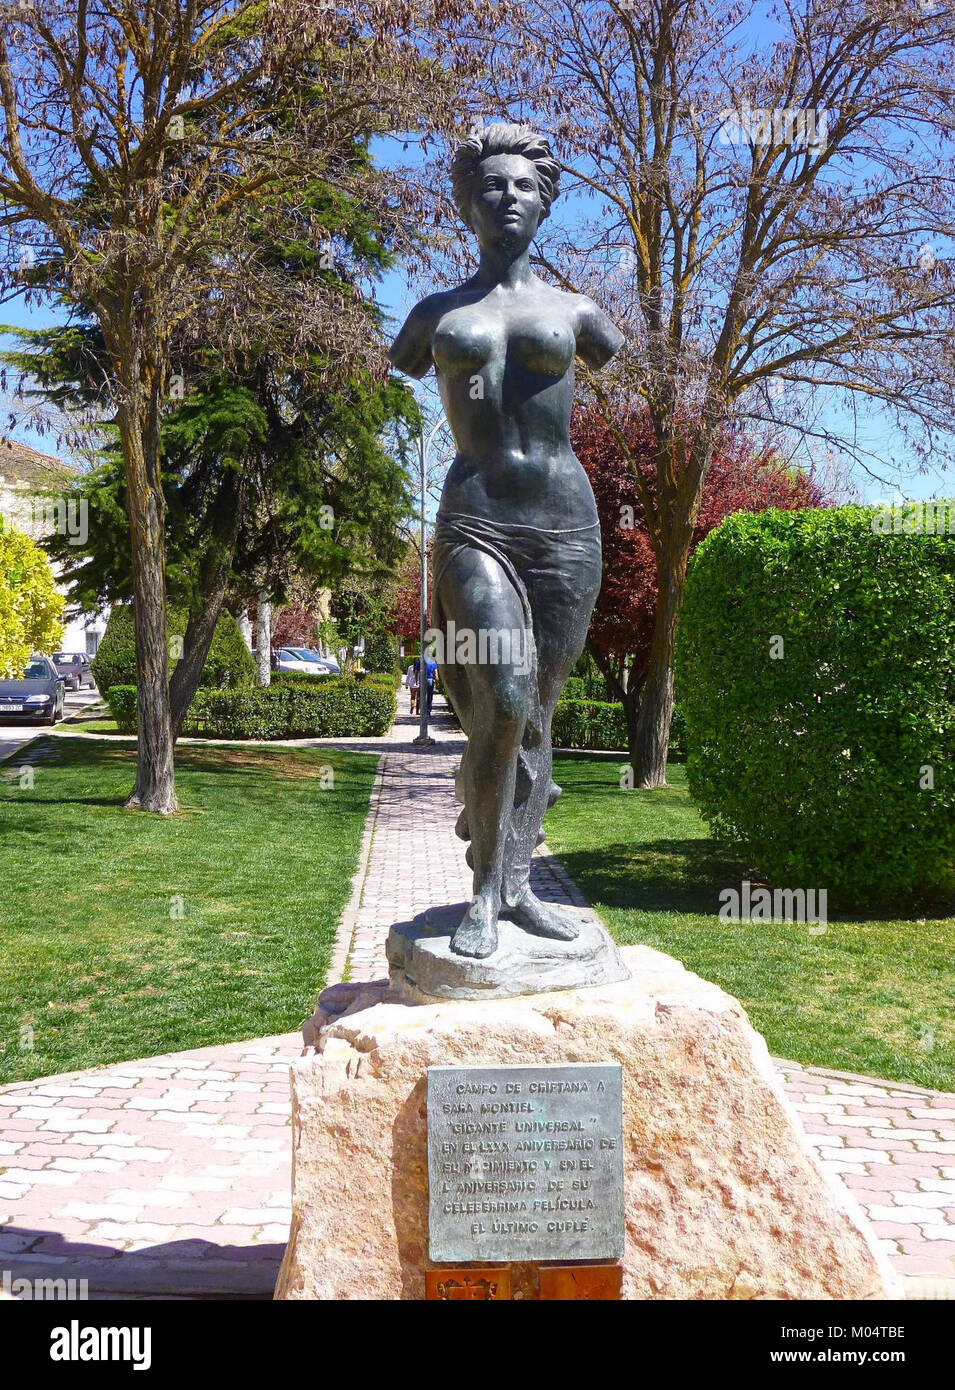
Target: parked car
{"type": "Point", "coordinates": [38, 696]}
{"type": "Point", "coordinates": [303, 662]}
{"type": "Point", "coordinates": [75, 669]}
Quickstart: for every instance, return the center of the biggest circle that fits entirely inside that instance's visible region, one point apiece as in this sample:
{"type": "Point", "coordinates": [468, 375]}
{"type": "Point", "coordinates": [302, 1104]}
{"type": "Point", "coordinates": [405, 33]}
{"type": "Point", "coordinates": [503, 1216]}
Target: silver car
{"type": "Point", "coordinates": [74, 667]}
{"type": "Point", "coordinates": [303, 662]}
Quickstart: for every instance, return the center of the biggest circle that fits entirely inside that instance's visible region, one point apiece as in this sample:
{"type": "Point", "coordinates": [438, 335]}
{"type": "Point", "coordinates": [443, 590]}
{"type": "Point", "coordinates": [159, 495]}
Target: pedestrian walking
{"type": "Point", "coordinates": [413, 685]}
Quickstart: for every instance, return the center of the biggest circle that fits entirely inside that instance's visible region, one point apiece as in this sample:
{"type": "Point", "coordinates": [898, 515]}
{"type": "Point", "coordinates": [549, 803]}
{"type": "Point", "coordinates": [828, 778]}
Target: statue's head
{"type": "Point", "coordinates": [504, 179]}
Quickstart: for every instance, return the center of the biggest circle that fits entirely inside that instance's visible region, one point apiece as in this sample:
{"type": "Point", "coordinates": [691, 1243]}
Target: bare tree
{"type": "Point", "coordinates": [774, 208]}
{"type": "Point", "coordinates": [136, 136]}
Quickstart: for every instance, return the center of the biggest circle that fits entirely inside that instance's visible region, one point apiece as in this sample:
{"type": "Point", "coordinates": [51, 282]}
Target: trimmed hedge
{"type": "Point", "coordinates": [229, 664]}
{"type": "Point", "coordinates": [295, 707]}
{"type": "Point", "coordinates": [601, 725]}
{"type": "Point", "coordinates": [816, 765]}
{"type": "Point", "coordinates": [299, 678]}
{"type": "Point", "coordinates": [348, 709]}
{"type": "Point", "coordinates": [306, 682]}
{"type": "Point", "coordinates": [594, 724]}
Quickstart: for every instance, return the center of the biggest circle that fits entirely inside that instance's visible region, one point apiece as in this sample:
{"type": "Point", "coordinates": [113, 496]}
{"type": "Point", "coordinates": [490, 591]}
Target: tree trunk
{"type": "Point", "coordinates": [155, 776]}
{"type": "Point", "coordinates": [245, 627]}
{"type": "Point", "coordinates": [214, 581]}
{"type": "Point", "coordinates": [650, 731]}
{"type": "Point", "coordinates": [263, 641]}
{"type": "Point", "coordinates": [200, 631]}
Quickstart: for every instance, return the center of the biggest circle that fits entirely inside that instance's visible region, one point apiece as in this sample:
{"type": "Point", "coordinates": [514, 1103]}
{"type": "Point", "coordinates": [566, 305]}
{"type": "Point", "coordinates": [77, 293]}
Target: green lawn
{"type": "Point", "coordinates": [93, 724]}
{"type": "Point", "coordinates": [869, 996]}
{"type": "Point", "coordinates": [96, 957]}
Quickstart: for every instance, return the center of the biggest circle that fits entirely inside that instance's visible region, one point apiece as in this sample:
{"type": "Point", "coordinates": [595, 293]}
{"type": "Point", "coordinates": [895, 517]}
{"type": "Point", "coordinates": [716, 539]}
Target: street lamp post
{"type": "Point", "coordinates": [424, 740]}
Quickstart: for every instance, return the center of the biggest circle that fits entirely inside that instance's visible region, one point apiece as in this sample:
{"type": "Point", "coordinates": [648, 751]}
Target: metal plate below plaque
{"type": "Point", "coordinates": [591, 1283]}
{"type": "Point", "coordinates": [467, 1285]}
{"type": "Point", "coordinates": [525, 1163]}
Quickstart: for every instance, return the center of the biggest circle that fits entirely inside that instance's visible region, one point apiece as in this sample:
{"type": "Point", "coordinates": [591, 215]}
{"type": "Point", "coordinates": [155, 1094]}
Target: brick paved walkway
{"type": "Point", "coordinates": [171, 1175]}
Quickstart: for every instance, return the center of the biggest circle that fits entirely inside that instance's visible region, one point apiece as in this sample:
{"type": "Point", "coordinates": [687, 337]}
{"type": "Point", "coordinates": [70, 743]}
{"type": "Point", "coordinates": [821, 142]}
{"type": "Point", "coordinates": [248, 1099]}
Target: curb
{"type": "Point", "coordinates": [345, 933]}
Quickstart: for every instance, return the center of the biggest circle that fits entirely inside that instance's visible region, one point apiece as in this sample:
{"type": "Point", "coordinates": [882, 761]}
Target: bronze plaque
{"type": "Point", "coordinates": [593, 1282]}
{"type": "Point", "coordinates": [525, 1163]}
{"type": "Point", "coordinates": [468, 1285]}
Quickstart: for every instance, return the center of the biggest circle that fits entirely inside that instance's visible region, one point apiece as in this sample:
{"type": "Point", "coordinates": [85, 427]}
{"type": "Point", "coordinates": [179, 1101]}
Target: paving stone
{"type": "Point", "coordinates": [142, 1152]}
{"type": "Point", "coordinates": [918, 1216]}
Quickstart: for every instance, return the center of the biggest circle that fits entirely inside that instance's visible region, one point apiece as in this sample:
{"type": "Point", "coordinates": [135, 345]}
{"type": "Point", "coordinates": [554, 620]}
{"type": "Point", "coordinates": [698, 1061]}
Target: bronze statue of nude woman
{"type": "Point", "coordinates": [517, 542]}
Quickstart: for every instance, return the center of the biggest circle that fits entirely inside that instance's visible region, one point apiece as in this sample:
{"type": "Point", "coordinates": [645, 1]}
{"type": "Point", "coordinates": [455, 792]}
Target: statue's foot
{"type": "Point", "coordinates": [543, 919]}
{"type": "Point", "coordinates": [477, 934]}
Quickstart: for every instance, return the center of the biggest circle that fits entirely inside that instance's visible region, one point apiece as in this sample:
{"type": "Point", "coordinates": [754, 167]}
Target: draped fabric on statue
{"type": "Point", "coordinates": [548, 570]}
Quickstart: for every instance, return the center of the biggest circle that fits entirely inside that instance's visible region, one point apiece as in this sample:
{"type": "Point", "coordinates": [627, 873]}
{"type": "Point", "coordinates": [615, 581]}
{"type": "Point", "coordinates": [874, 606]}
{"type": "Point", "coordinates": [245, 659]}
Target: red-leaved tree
{"type": "Point", "coordinates": [405, 612]}
{"type": "Point", "coordinates": [741, 477]}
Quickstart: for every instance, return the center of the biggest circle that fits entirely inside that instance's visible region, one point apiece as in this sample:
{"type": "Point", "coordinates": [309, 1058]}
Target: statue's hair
{"type": "Point", "coordinates": [502, 138]}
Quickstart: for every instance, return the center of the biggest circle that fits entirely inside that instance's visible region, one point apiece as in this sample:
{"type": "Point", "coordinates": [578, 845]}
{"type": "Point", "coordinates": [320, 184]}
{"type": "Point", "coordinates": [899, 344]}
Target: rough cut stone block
{"type": "Point", "coordinates": [724, 1199]}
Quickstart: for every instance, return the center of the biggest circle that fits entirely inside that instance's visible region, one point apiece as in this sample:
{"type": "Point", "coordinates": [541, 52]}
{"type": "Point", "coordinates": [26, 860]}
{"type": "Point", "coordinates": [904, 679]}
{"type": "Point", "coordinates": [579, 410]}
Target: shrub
{"type": "Point", "coordinates": [115, 661]}
{"type": "Point", "coordinates": [595, 724]}
{"type": "Point", "coordinates": [817, 765]}
{"type": "Point", "coordinates": [677, 736]}
{"type": "Point", "coordinates": [585, 681]}
{"type": "Point", "coordinates": [229, 663]}
{"type": "Point", "coordinates": [575, 688]}
{"type": "Point", "coordinates": [381, 653]}
{"type": "Point", "coordinates": [122, 706]}
{"type": "Point", "coordinates": [30, 606]}
{"type": "Point", "coordinates": [346, 709]}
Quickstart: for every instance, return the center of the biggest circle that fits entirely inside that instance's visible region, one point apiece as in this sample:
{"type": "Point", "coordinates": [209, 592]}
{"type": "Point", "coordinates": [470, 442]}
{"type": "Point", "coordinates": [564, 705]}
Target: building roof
{"type": "Point", "coordinates": [18, 465]}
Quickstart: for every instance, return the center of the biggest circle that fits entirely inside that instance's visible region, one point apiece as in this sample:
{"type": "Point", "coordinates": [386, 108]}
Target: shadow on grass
{"type": "Point", "coordinates": [687, 877]}
{"type": "Point", "coordinates": [683, 876]}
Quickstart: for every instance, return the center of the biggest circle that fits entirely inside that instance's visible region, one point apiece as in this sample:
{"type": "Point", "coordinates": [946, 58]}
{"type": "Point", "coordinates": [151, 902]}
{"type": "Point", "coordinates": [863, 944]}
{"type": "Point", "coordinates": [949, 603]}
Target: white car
{"type": "Point", "coordinates": [303, 662]}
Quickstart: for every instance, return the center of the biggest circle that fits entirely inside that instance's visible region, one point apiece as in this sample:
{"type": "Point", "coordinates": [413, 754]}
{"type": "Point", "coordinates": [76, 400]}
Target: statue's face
{"type": "Point", "coordinates": [506, 203]}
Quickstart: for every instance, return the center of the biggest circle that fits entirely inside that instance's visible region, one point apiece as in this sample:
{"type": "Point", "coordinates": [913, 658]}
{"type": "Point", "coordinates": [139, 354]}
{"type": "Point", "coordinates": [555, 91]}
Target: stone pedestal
{"type": "Point", "coordinates": [423, 966]}
{"type": "Point", "coordinates": [723, 1197]}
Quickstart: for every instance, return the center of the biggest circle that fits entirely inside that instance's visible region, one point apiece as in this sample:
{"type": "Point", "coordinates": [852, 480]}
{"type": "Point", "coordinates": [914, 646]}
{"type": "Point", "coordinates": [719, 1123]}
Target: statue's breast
{"type": "Point", "coordinates": [546, 347]}
{"type": "Point", "coordinates": [467, 340]}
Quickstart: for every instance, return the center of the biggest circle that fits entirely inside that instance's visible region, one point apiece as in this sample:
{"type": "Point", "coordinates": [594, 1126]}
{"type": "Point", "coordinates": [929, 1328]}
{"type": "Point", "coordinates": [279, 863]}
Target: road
{"type": "Point", "coordinates": [15, 735]}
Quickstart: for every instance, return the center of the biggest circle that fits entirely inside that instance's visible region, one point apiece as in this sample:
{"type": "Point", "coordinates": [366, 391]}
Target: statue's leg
{"type": "Point", "coordinates": [457, 688]}
{"type": "Point", "coordinates": [562, 605]}
{"type": "Point", "coordinates": [524, 907]}
{"type": "Point", "coordinates": [477, 595]}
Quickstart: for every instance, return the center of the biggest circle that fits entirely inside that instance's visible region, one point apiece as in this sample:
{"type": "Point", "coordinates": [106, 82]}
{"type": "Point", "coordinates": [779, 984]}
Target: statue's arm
{"type": "Point", "coordinates": [411, 350]}
{"type": "Point", "coordinates": [598, 339]}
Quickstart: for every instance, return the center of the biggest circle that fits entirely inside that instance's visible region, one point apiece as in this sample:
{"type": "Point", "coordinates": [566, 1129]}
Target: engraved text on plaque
{"type": "Point", "coordinates": [525, 1163]}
